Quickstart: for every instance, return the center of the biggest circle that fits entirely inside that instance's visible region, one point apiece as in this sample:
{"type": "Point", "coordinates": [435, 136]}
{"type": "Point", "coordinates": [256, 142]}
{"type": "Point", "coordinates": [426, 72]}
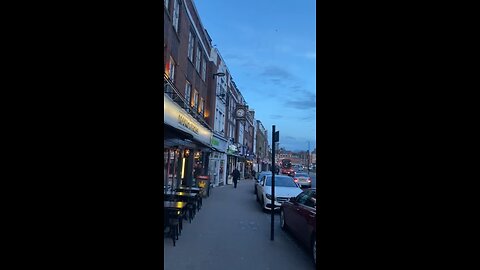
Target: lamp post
{"type": "Point", "coordinates": [219, 74]}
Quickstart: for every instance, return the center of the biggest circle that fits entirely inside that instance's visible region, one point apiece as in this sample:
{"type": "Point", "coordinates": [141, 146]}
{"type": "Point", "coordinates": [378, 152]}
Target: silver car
{"type": "Point", "coordinates": [260, 175]}
{"type": "Point", "coordinates": [285, 189]}
{"type": "Point", "coordinates": [303, 179]}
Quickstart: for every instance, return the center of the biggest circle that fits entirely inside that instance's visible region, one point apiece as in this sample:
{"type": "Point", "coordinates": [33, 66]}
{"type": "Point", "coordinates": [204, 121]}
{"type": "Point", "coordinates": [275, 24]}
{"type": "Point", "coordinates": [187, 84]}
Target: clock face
{"type": "Point", "coordinates": [240, 113]}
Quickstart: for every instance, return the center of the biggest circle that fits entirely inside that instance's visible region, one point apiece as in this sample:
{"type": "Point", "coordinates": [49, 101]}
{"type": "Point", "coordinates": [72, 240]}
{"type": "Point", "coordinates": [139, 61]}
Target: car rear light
{"type": "Point", "coordinates": [295, 179]}
{"type": "Point", "coordinates": [309, 180]}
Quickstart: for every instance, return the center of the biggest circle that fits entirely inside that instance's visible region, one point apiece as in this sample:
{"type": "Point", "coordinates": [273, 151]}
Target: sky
{"type": "Point", "coordinates": [269, 47]}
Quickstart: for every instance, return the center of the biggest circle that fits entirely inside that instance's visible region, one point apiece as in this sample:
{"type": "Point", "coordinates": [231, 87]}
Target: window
{"type": "Point", "coordinates": [170, 69]}
{"type": "Point", "coordinates": [281, 181]}
{"type": "Point", "coordinates": [176, 14]}
{"type": "Point", "coordinates": [191, 45]}
{"type": "Point", "coordinates": [195, 99]}
{"type": "Point", "coordinates": [204, 68]}
{"type": "Point", "coordinates": [301, 198]}
{"type": "Point", "coordinates": [311, 201]}
{"type": "Point", "coordinates": [188, 90]}
{"type": "Point", "coordinates": [200, 107]}
{"type": "Point", "coordinates": [199, 56]}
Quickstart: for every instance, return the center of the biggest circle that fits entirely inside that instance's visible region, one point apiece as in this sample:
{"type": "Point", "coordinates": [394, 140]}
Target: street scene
{"type": "Point", "coordinates": [231, 231]}
{"type": "Point", "coordinates": [240, 170]}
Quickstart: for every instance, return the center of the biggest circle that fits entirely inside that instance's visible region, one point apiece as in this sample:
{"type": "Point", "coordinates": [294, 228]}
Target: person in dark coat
{"type": "Point", "coordinates": [236, 176]}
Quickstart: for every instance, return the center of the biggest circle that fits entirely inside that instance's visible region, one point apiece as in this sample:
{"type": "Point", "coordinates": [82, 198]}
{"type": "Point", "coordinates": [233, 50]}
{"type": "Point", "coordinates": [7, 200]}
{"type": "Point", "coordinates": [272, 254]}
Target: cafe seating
{"type": "Point", "coordinates": [174, 224]}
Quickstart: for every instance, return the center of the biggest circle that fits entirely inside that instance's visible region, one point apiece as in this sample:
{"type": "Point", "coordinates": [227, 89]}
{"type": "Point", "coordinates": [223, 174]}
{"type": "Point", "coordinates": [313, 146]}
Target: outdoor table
{"type": "Point", "coordinates": [191, 198]}
{"type": "Point", "coordinates": [170, 205]}
{"type": "Point", "coordinates": [193, 190]}
{"type": "Point", "coordinates": [174, 209]}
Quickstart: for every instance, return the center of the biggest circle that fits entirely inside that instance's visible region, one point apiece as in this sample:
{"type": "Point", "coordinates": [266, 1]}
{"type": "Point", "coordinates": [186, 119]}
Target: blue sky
{"type": "Point", "coordinates": [269, 47]}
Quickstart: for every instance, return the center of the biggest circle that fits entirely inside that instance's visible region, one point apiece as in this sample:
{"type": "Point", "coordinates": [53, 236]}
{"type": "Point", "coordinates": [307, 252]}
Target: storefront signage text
{"type": "Point", "coordinates": [184, 122]}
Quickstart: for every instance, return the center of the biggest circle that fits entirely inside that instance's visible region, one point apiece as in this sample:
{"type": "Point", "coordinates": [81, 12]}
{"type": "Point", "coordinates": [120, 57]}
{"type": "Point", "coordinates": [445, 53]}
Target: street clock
{"type": "Point", "coordinates": [240, 112]}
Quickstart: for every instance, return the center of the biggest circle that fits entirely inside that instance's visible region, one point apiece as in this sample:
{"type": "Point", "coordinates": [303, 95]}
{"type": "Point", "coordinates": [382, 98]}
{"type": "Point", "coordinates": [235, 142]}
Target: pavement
{"type": "Point", "coordinates": [232, 232]}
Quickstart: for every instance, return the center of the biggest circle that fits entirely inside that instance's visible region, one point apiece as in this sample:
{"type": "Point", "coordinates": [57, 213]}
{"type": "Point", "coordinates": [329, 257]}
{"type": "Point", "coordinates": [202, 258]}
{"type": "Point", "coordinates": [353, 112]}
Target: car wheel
{"type": "Point", "coordinates": [283, 225]}
{"type": "Point", "coordinates": [255, 190]}
{"type": "Point", "coordinates": [263, 205]}
{"type": "Point", "coordinates": [256, 197]}
{"type": "Point", "coordinates": [314, 250]}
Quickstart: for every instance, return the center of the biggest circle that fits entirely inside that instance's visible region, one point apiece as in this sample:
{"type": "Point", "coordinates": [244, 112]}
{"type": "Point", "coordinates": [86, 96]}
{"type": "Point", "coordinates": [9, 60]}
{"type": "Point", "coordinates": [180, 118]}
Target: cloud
{"type": "Point", "coordinates": [303, 104]}
{"type": "Point", "coordinates": [276, 72]}
{"type": "Point", "coordinates": [305, 100]}
{"type": "Point", "coordinates": [276, 116]}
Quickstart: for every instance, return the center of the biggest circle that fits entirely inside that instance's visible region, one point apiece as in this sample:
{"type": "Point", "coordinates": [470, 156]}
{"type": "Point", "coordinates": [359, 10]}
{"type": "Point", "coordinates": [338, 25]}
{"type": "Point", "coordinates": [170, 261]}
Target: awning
{"type": "Point", "coordinates": [174, 136]}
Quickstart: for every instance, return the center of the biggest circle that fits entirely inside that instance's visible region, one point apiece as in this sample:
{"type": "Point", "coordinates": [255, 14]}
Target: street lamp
{"type": "Point", "coordinates": [219, 74]}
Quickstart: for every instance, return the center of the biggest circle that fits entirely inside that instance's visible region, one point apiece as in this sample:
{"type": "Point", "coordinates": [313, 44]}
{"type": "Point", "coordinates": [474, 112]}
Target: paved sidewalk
{"type": "Point", "coordinates": [232, 232]}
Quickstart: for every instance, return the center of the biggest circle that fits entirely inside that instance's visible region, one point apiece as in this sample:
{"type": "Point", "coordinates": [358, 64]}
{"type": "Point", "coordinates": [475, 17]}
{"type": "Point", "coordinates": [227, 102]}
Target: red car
{"type": "Point", "coordinates": [299, 215]}
{"type": "Point", "coordinates": [288, 171]}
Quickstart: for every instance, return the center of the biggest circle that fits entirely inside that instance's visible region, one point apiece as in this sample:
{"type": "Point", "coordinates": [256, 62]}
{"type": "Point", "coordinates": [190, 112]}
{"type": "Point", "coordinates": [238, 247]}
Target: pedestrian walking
{"type": "Point", "coordinates": [236, 176]}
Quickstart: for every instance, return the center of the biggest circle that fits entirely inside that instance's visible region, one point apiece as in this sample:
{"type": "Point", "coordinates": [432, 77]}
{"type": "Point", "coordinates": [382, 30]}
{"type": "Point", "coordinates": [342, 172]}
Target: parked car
{"type": "Point", "coordinates": [303, 179]}
{"type": "Point", "coordinates": [285, 188]}
{"type": "Point", "coordinates": [260, 175]}
{"type": "Point", "coordinates": [299, 215]}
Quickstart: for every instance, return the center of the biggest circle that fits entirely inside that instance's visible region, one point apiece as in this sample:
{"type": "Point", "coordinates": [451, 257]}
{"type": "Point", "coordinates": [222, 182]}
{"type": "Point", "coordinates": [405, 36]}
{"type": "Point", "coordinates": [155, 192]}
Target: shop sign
{"type": "Point", "coordinates": [232, 149]}
{"type": "Point", "coordinates": [177, 117]}
{"type": "Point", "coordinates": [184, 122]}
{"type": "Point", "coordinates": [219, 143]}
{"type": "Point", "coordinates": [215, 142]}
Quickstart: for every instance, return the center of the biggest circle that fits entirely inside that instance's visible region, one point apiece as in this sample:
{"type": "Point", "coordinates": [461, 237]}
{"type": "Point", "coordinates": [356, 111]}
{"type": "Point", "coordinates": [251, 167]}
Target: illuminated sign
{"type": "Point", "coordinates": [178, 118]}
{"type": "Point", "coordinates": [184, 122]}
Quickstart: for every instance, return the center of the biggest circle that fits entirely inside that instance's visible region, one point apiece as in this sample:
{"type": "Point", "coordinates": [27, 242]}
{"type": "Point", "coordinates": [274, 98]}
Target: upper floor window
{"type": "Point", "coordinates": [176, 14]}
{"type": "Point", "coordinates": [200, 106]}
{"type": "Point", "coordinates": [204, 68]}
{"type": "Point", "coordinates": [199, 56]}
{"type": "Point", "coordinates": [170, 69]}
{"type": "Point", "coordinates": [195, 99]}
{"type": "Point", "coordinates": [188, 90]}
{"type": "Point", "coordinates": [166, 3]}
{"type": "Point", "coordinates": [191, 45]}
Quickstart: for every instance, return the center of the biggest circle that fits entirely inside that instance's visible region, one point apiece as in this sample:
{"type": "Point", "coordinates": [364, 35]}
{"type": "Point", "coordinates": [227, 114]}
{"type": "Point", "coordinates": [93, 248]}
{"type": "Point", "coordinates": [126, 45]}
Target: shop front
{"type": "Point", "coordinates": [218, 161]}
{"type": "Point", "coordinates": [186, 146]}
{"type": "Point", "coordinates": [241, 161]}
{"type": "Point", "coordinates": [250, 163]}
{"type": "Point", "coordinates": [232, 157]}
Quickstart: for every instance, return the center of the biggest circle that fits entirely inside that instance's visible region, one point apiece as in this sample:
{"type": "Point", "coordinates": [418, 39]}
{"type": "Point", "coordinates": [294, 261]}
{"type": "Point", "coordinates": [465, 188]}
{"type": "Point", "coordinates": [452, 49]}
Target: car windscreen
{"type": "Point", "coordinates": [281, 181]}
{"type": "Point", "coordinates": [301, 174]}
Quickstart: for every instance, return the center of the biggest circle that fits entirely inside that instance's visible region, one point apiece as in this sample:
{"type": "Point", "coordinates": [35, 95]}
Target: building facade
{"type": "Point", "coordinates": [204, 135]}
{"type": "Point", "coordinates": [218, 159]}
{"type": "Point", "coordinates": [187, 86]}
{"type": "Point", "coordinates": [261, 146]}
